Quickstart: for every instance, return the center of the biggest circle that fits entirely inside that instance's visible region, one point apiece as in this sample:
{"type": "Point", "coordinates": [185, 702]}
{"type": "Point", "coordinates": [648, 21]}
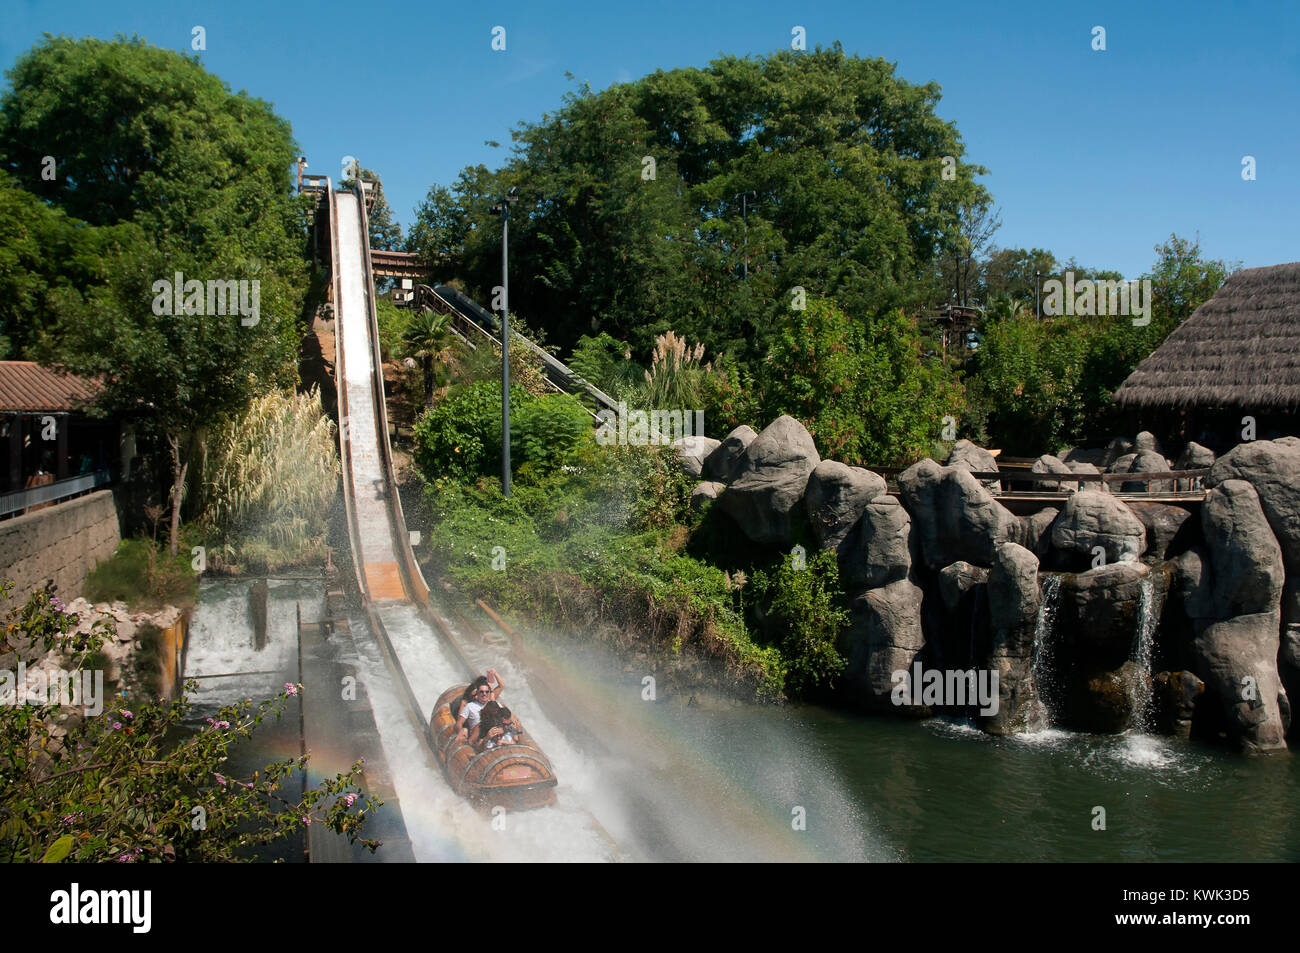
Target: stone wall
{"type": "Point", "coordinates": [61, 542]}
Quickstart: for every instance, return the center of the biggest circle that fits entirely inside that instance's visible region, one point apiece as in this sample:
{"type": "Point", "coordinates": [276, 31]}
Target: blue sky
{"type": "Point", "coordinates": [1099, 155]}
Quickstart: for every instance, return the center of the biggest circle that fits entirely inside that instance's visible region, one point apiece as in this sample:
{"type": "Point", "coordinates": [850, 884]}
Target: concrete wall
{"type": "Point", "coordinates": [61, 542]}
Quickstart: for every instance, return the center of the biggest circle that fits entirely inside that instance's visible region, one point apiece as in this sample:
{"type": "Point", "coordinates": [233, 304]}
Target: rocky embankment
{"type": "Point", "coordinates": [1154, 616]}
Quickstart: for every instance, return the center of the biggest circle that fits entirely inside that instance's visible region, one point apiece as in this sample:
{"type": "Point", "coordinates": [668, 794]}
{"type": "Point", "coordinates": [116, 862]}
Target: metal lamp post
{"type": "Point", "coordinates": [744, 219]}
{"type": "Point", "coordinates": [502, 208]}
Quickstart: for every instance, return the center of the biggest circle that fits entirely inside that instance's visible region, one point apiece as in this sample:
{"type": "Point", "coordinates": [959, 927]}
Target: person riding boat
{"type": "Point", "coordinates": [477, 694]}
{"type": "Point", "coordinates": [497, 726]}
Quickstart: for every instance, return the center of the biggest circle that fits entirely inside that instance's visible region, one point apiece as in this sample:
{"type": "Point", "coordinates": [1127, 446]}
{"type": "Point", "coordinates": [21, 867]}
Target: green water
{"type": "Point", "coordinates": [937, 791]}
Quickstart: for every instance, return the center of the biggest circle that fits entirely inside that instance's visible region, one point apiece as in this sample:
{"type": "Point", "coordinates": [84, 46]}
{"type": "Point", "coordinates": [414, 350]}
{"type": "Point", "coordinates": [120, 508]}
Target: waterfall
{"type": "Point", "coordinates": [1148, 617]}
{"type": "Point", "coordinates": [1040, 669]}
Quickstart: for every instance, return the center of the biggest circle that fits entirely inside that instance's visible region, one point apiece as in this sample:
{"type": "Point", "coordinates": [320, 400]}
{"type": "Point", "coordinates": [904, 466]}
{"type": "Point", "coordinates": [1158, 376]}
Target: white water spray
{"type": "Point", "coordinates": [1040, 670]}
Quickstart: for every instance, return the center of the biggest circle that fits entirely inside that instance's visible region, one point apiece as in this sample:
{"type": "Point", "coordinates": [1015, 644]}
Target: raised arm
{"type": "Point", "coordinates": [500, 685]}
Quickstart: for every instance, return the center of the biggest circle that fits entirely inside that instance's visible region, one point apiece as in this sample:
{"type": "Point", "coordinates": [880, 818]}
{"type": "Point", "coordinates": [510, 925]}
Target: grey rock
{"type": "Point", "coordinates": [1194, 457]}
{"type": "Point", "coordinates": [1035, 530]}
{"type": "Point", "coordinates": [1122, 464]}
{"type": "Point", "coordinates": [835, 497]}
{"type": "Point", "coordinates": [772, 477]}
{"type": "Point", "coordinates": [1116, 449]}
{"type": "Point", "coordinates": [880, 551]}
{"type": "Point", "coordinates": [1246, 558]}
{"type": "Point", "coordinates": [1091, 456]}
{"type": "Point", "coordinates": [1272, 467]}
{"type": "Point", "coordinates": [1238, 660]}
{"type": "Point", "coordinates": [1013, 588]}
{"type": "Point", "coordinates": [1194, 584]}
{"type": "Point", "coordinates": [1146, 440]}
{"type": "Point", "coordinates": [957, 580]}
{"type": "Point", "coordinates": [884, 636]}
{"type": "Point", "coordinates": [1164, 523]}
{"type": "Point", "coordinates": [1050, 464]}
{"type": "Point", "coordinates": [1175, 696]}
{"type": "Point", "coordinates": [1148, 461]}
{"type": "Point", "coordinates": [724, 462]}
{"type": "Point", "coordinates": [704, 492]}
{"type": "Point", "coordinates": [1091, 518]}
{"type": "Point", "coordinates": [1098, 612]}
{"type": "Point", "coordinates": [1013, 609]}
{"type": "Point", "coordinates": [691, 452]}
{"type": "Point", "coordinates": [975, 459]}
{"type": "Point", "coordinates": [947, 507]}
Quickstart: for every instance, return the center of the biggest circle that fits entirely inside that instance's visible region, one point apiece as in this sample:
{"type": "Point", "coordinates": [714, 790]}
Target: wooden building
{"type": "Point", "coordinates": [50, 447]}
{"type": "Point", "coordinates": [1236, 357]}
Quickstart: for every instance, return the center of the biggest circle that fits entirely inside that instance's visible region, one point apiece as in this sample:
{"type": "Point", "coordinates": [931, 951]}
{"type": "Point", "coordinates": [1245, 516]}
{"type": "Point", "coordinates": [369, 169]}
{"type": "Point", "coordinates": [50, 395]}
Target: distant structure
{"type": "Point", "coordinates": [1237, 356]}
{"type": "Point", "coordinates": [51, 448]}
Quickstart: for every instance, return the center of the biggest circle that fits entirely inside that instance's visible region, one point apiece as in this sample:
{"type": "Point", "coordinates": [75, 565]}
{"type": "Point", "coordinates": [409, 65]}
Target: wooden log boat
{"type": "Point", "coordinates": [517, 777]}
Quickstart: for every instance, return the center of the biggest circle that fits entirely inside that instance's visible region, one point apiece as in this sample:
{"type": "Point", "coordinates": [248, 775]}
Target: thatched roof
{"type": "Point", "coordinates": [1240, 349]}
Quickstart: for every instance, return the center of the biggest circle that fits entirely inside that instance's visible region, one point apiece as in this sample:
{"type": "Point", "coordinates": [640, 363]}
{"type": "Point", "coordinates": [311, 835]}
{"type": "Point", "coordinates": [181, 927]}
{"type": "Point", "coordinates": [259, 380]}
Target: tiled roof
{"type": "Point", "coordinates": [33, 388]}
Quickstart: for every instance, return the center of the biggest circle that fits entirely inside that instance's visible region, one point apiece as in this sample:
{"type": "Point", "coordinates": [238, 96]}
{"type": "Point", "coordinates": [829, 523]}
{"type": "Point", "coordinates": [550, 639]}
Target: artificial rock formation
{"type": "Point", "coordinates": [835, 497]}
{"type": "Point", "coordinates": [1091, 519]}
{"type": "Point", "coordinates": [723, 463]}
{"type": "Point", "coordinates": [772, 475]}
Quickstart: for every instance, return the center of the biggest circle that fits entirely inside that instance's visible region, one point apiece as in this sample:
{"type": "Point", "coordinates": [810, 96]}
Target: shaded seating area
{"type": "Point", "coordinates": [50, 447]}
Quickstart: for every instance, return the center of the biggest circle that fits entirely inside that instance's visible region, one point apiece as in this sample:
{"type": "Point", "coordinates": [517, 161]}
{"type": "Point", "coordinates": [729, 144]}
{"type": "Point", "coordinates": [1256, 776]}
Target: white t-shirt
{"type": "Point", "coordinates": [471, 711]}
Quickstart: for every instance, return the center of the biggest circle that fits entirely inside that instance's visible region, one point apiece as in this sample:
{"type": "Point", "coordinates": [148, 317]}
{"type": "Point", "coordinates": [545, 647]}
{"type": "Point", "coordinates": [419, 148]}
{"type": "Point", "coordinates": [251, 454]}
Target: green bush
{"type": "Point", "coordinates": [393, 322]}
{"type": "Point", "coordinates": [461, 436]}
{"type": "Point", "coordinates": [545, 431]}
{"type": "Point", "coordinates": [805, 605]}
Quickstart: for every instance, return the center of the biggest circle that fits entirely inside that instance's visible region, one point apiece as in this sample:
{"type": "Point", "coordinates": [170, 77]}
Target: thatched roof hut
{"type": "Point", "coordinates": [1239, 351]}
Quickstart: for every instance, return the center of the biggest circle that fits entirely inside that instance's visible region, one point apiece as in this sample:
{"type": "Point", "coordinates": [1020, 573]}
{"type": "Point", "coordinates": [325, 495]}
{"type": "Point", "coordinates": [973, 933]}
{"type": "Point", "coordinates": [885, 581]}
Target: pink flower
{"type": "Point", "coordinates": [350, 800]}
{"type": "Point", "coordinates": [290, 688]}
{"type": "Point", "coordinates": [306, 820]}
{"type": "Point", "coordinates": [127, 714]}
{"type": "Point", "coordinates": [222, 724]}
{"type": "Point", "coordinates": [117, 726]}
{"type": "Point", "coordinates": [220, 780]}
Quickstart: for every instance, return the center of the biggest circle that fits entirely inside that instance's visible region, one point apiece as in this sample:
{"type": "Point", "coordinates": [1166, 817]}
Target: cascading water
{"type": "Point", "coordinates": [1040, 671]}
{"type": "Point", "coordinates": [1144, 639]}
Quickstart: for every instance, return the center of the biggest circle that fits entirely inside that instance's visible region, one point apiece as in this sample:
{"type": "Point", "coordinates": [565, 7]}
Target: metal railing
{"type": "Point", "coordinates": [16, 501]}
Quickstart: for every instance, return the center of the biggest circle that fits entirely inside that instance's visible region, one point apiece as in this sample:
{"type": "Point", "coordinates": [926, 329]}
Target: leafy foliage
{"type": "Point", "coordinates": [190, 178]}
{"type": "Point", "coordinates": [135, 784]}
{"type": "Point", "coordinates": [867, 394]}
{"type": "Point", "coordinates": [806, 603]}
{"type": "Point", "coordinates": [843, 160]}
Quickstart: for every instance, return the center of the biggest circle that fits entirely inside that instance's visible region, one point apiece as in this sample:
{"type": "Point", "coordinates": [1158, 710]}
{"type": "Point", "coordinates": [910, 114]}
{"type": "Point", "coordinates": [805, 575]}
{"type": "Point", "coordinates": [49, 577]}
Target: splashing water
{"type": "Point", "coordinates": [1140, 694]}
{"type": "Point", "coordinates": [1040, 670]}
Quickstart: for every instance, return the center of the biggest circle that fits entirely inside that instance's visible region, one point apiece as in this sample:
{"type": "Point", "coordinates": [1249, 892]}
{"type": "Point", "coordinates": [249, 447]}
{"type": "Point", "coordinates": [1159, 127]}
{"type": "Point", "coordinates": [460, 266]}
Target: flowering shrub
{"type": "Point", "coordinates": [132, 784]}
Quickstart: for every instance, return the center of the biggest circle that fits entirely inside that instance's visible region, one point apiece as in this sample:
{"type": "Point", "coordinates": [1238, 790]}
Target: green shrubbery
{"type": "Point", "coordinates": [461, 436]}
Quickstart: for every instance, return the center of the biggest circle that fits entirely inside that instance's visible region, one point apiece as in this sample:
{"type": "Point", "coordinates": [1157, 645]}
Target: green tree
{"type": "Point", "coordinates": [428, 339]}
{"type": "Point", "coordinates": [867, 392]}
{"type": "Point", "coordinates": [196, 179]}
{"type": "Point", "coordinates": [814, 169]}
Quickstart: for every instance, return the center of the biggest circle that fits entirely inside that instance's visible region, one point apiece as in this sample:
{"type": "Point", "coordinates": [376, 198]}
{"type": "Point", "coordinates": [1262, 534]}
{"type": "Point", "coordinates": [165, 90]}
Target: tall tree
{"type": "Point", "coordinates": [695, 199]}
{"type": "Point", "coordinates": [197, 181]}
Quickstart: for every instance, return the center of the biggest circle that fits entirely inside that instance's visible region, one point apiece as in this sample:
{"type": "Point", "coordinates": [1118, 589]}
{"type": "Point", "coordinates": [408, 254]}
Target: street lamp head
{"type": "Point", "coordinates": [512, 194]}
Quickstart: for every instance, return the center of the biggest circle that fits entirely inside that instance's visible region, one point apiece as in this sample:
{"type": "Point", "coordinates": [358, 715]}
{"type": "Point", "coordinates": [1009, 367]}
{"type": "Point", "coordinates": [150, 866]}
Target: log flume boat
{"type": "Point", "coordinates": [517, 777]}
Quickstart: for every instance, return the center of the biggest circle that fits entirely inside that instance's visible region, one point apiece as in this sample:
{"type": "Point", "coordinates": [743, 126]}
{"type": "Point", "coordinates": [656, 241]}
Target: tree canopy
{"type": "Point", "coordinates": [694, 199]}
